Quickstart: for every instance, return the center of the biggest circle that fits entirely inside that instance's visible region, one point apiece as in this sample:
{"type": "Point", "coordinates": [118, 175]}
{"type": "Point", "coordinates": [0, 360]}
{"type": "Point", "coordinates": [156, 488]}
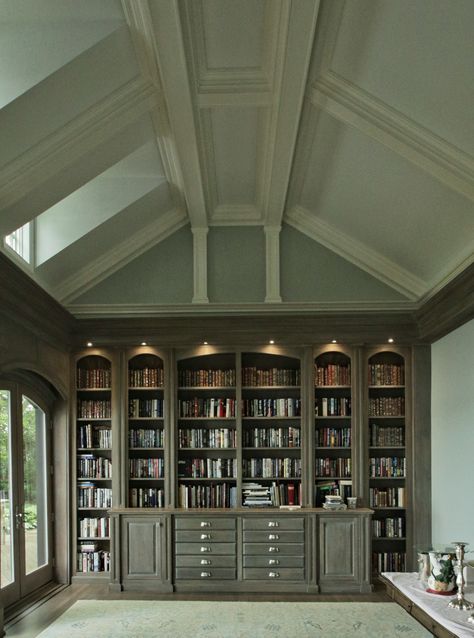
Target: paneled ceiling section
{"type": "Point", "coordinates": [125, 121]}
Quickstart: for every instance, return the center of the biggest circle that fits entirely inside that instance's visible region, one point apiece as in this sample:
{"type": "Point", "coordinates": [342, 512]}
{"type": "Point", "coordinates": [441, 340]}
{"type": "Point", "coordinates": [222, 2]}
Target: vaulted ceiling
{"type": "Point", "coordinates": [206, 154]}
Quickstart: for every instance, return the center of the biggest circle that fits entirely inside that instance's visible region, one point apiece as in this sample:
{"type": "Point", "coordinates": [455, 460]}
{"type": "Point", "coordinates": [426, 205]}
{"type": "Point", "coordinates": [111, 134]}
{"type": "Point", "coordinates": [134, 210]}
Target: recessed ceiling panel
{"type": "Point", "coordinates": [417, 57]}
{"type": "Point", "coordinates": [234, 137]}
{"type": "Point", "coordinates": [378, 198]}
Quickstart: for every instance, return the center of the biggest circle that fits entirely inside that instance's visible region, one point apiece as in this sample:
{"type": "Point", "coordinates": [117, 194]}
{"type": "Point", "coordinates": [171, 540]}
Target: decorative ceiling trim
{"type": "Point", "coordinates": [166, 58]}
{"type": "Point", "coordinates": [72, 141]}
{"type": "Point", "coordinates": [91, 311]}
{"type": "Point", "coordinates": [354, 106]}
{"type": "Point", "coordinates": [109, 262]}
{"type": "Point", "coordinates": [356, 253]}
{"type": "Point", "coordinates": [238, 100]}
{"type": "Point", "coordinates": [236, 215]}
{"type": "Point", "coordinates": [451, 272]}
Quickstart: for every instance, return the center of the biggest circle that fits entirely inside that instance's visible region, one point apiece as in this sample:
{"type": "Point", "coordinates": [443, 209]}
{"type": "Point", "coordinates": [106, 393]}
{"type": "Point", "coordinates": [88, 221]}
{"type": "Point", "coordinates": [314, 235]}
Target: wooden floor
{"type": "Point", "coordinates": [29, 622]}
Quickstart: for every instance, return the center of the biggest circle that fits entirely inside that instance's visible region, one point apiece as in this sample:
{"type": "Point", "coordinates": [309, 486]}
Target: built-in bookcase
{"type": "Point", "coordinates": [206, 432]}
{"type": "Point", "coordinates": [271, 429]}
{"type": "Point", "coordinates": [93, 463]}
{"type": "Point", "coordinates": [388, 414]}
{"type": "Point", "coordinates": [333, 431]}
{"type": "Point", "coordinates": [146, 433]}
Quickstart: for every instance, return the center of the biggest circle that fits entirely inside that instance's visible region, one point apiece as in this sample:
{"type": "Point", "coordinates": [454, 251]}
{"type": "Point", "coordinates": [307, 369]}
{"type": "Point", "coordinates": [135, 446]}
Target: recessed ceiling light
{"type": "Point", "coordinates": [89, 344]}
{"type": "Point", "coordinates": [390, 340]}
{"type": "Point", "coordinates": [334, 341]}
{"type": "Point", "coordinates": [143, 343]}
{"type": "Point", "coordinates": [205, 343]}
{"type": "Point", "coordinates": [271, 341]}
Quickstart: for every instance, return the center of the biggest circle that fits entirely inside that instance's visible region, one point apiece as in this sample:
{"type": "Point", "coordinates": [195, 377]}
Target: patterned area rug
{"type": "Point", "coordinates": [222, 619]}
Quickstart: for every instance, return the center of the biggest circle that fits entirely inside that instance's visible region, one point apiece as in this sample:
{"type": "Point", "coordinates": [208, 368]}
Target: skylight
{"type": "Point", "coordinates": [20, 242]}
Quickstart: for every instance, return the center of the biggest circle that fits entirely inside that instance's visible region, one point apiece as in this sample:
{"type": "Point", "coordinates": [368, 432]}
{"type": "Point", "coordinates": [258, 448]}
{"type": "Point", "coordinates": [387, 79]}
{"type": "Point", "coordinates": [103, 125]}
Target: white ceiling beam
{"type": "Point", "coordinates": [119, 256]}
{"type": "Point", "coordinates": [356, 253]}
{"type": "Point", "coordinates": [293, 55]}
{"type": "Point", "coordinates": [159, 23]}
{"type": "Point", "coordinates": [357, 108]}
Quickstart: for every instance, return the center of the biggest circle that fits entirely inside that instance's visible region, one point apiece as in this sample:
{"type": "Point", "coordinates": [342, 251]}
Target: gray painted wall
{"type": "Point", "coordinates": [452, 437]}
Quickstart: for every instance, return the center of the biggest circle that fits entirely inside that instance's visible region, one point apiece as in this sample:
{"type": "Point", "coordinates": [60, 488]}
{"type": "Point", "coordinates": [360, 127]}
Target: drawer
{"type": "Point", "coordinates": [205, 561]}
{"type": "Point", "coordinates": [206, 573]}
{"type": "Point", "coordinates": [266, 549]}
{"type": "Point", "coordinates": [204, 522]}
{"type": "Point", "coordinates": [203, 549]}
{"type": "Point", "coordinates": [271, 573]}
{"type": "Point", "coordinates": [273, 561]}
{"type": "Point", "coordinates": [273, 536]}
{"type": "Point", "coordinates": [274, 522]}
{"type": "Point", "coordinates": [205, 536]}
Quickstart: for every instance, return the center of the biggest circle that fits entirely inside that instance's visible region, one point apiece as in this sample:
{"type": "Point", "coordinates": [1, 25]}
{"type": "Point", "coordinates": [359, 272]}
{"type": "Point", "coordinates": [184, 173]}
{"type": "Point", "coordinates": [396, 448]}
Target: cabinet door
{"type": "Point", "coordinates": [340, 555]}
{"type": "Point", "coordinates": [143, 548]}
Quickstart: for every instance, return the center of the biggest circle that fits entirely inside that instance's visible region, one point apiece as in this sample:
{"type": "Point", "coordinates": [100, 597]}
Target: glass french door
{"type": "Point", "coordinates": [25, 509]}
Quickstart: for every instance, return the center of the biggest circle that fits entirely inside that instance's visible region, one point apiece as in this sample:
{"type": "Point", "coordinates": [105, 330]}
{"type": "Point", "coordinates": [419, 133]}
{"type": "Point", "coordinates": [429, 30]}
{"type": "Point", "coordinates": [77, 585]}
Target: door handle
{"type": "Point", "coordinates": [18, 517]}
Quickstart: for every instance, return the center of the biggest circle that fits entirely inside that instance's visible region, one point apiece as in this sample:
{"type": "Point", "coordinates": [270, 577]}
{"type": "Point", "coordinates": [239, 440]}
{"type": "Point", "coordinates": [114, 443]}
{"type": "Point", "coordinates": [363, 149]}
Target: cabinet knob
{"type": "Point", "coordinates": [274, 549]}
{"type": "Point", "coordinates": [273, 524]}
{"type": "Point", "coordinates": [274, 574]}
{"type": "Point", "coordinates": [205, 524]}
{"type": "Point", "coordinates": [205, 549]}
{"type": "Point", "coordinates": [273, 537]}
{"type": "Point", "coordinates": [205, 574]}
{"type": "Point", "coordinates": [273, 561]}
{"type": "Point", "coordinates": [205, 561]}
{"type": "Point", "coordinates": [205, 537]}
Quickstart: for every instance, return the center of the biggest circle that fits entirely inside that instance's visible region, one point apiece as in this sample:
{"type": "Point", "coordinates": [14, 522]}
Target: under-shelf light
{"type": "Point", "coordinates": [390, 340]}
{"type": "Point", "coordinates": [143, 343]}
{"type": "Point", "coordinates": [271, 342]}
{"type": "Point", "coordinates": [334, 341]}
{"type": "Point", "coordinates": [89, 344]}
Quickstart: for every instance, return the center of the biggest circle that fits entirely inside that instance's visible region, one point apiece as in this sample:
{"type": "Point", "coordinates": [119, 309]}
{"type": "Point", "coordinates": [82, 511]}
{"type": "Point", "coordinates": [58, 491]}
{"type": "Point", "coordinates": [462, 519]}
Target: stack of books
{"type": "Point", "coordinates": [256, 495]}
{"type": "Point", "coordinates": [334, 502]}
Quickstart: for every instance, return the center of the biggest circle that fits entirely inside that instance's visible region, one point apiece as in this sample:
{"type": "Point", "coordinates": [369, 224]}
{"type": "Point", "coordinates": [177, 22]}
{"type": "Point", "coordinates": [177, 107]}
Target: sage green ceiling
{"type": "Point", "coordinates": [212, 154]}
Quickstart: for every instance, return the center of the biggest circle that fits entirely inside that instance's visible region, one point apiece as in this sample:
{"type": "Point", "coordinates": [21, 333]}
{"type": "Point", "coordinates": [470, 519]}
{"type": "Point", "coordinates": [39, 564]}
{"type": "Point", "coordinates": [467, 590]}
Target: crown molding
{"type": "Point", "coordinates": [355, 107]}
{"type": "Point", "coordinates": [236, 215]}
{"type": "Point", "coordinates": [72, 141]}
{"type": "Point", "coordinates": [109, 262]}
{"type": "Point", "coordinates": [356, 253]}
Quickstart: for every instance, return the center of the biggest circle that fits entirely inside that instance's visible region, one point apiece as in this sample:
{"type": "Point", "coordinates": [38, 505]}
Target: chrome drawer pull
{"type": "Point", "coordinates": [205, 549]}
{"type": "Point", "coordinates": [205, 574]}
{"type": "Point", "coordinates": [273, 524]}
{"type": "Point", "coordinates": [205, 524]}
{"type": "Point", "coordinates": [206, 561]}
{"type": "Point", "coordinates": [273, 537]}
{"type": "Point", "coordinates": [274, 574]}
{"type": "Point", "coordinates": [274, 549]}
{"type": "Point", "coordinates": [273, 561]}
{"type": "Point", "coordinates": [205, 537]}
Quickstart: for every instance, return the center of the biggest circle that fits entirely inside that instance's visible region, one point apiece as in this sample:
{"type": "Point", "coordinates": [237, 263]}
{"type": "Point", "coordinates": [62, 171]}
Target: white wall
{"type": "Point", "coordinates": [452, 444]}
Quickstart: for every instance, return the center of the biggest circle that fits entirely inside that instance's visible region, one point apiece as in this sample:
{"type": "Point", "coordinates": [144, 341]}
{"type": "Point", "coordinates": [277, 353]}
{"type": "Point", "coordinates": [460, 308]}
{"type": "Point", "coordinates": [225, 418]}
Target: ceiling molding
{"type": "Point", "coordinates": [355, 107]}
{"type": "Point", "coordinates": [236, 215]}
{"type": "Point", "coordinates": [236, 100]}
{"type": "Point", "coordinates": [356, 253]}
{"type": "Point", "coordinates": [451, 272]}
{"type": "Point", "coordinates": [109, 262]}
{"type": "Point", "coordinates": [167, 60]}
{"type": "Point", "coordinates": [71, 142]}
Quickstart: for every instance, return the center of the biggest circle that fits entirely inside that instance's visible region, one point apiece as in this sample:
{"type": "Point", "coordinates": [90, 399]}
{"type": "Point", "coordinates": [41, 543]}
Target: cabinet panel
{"type": "Point", "coordinates": [205, 548]}
{"type": "Point", "coordinates": [273, 523]}
{"type": "Point", "coordinates": [205, 536]}
{"type": "Point", "coordinates": [271, 536]}
{"type": "Point", "coordinates": [204, 522]}
{"type": "Point", "coordinates": [187, 560]}
{"type": "Point", "coordinates": [271, 561]}
{"type": "Point", "coordinates": [338, 549]}
{"type": "Point", "coordinates": [205, 573]}
{"type": "Point", "coordinates": [142, 548]}
{"type": "Point", "coordinates": [289, 549]}
{"type": "Point", "coordinates": [273, 573]}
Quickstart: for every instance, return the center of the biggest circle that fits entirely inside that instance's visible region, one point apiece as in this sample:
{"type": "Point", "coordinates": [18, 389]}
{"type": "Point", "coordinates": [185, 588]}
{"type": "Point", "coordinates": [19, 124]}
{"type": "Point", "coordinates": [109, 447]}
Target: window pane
{"type": "Point", "coordinates": [35, 518]}
{"type": "Point", "coordinates": [6, 545]}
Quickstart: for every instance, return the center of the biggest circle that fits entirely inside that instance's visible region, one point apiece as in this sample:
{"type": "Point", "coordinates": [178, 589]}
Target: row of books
{"type": "Point", "coordinates": [206, 407]}
{"type": "Point", "coordinates": [254, 377]}
{"type": "Point", "coordinates": [146, 468]}
{"type": "Point", "coordinates": [272, 437]}
{"type": "Point", "coordinates": [332, 406]}
{"type": "Point", "coordinates": [98, 378]}
{"type": "Point", "coordinates": [139, 437]}
{"type": "Point", "coordinates": [94, 409]}
{"type": "Point", "coordinates": [145, 378]}
{"type": "Point", "coordinates": [204, 496]}
{"type": "Point", "coordinates": [333, 437]}
{"type": "Point", "coordinates": [93, 437]}
{"type": "Point", "coordinates": [387, 467]}
{"type": "Point", "coordinates": [151, 408]}
{"type": "Point", "coordinates": [387, 497]}
{"type": "Point", "coordinates": [383, 436]}
{"type": "Point", "coordinates": [91, 466]}
{"type": "Point", "coordinates": [91, 496]}
{"type": "Point", "coordinates": [206, 378]}
{"type": "Point", "coordinates": [93, 561]}
{"type": "Point", "coordinates": [332, 374]}
{"type": "Point", "coordinates": [94, 527]}
{"type": "Point", "coordinates": [146, 497]}
{"type": "Point", "coordinates": [274, 495]}
{"type": "Point", "coordinates": [389, 561]}
{"type": "Point", "coordinates": [271, 468]}
{"type": "Point", "coordinates": [389, 527]}
{"type": "Point", "coordinates": [271, 407]}
{"type": "Point", "coordinates": [386, 374]}
{"type": "Point", "coordinates": [386, 406]}
{"type": "Point", "coordinates": [207, 468]}
{"type": "Point", "coordinates": [207, 437]}
{"type": "Point", "coordinates": [333, 467]}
